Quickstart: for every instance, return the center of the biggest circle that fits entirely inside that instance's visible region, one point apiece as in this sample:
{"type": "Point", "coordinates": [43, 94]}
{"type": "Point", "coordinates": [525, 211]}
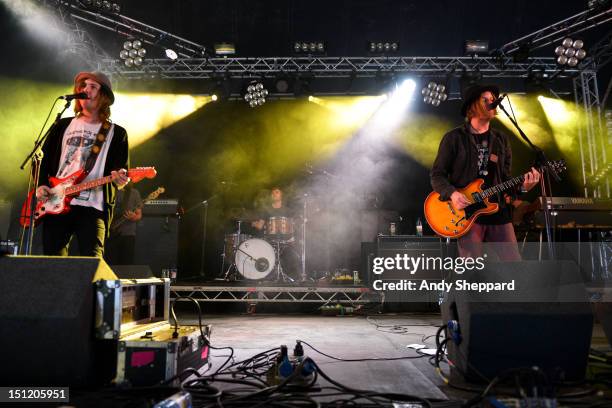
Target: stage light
{"type": "Point", "coordinates": [598, 4]}
{"type": "Point", "coordinates": [476, 47]}
{"type": "Point", "coordinates": [255, 94]}
{"type": "Point", "coordinates": [102, 5]}
{"type": "Point", "coordinates": [133, 53]}
{"type": "Point", "coordinates": [170, 53]}
{"type": "Point", "coordinates": [146, 114]}
{"type": "Point", "coordinates": [225, 48]}
{"type": "Point", "coordinates": [383, 47]}
{"type": "Point", "coordinates": [302, 85]}
{"type": "Point", "coordinates": [434, 93]}
{"type": "Point", "coordinates": [309, 47]}
{"type": "Point", "coordinates": [570, 52]}
{"type": "Point", "coordinates": [214, 97]}
{"type": "Point", "coordinates": [281, 84]}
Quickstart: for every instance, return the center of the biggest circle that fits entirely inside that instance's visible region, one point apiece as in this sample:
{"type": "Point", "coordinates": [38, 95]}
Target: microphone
{"type": "Point", "coordinates": [80, 95]}
{"type": "Point", "coordinates": [496, 102]}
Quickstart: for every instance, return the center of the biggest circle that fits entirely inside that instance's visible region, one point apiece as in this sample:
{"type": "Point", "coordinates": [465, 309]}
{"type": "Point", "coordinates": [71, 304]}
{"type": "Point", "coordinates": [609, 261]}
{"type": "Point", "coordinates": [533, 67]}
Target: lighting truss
{"type": "Point", "coordinates": [590, 136]}
{"type": "Point", "coordinates": [555, 33]}
{"type": "Point", "coordinates": [278, 294]}
{"type": "Point", "coordinates": [332, 67]}
{"type": "Point", "coordinates": [128, 27]}
{"type": "Point", "coordinates": [81, 43]}
{"type": "Point", "coordinates": [600, 52]}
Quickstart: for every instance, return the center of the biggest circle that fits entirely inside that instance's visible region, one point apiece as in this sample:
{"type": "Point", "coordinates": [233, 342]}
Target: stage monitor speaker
{"type": "Point", "coordinates": [497, 336]}
{"type": "Point", "coordinates": [157, 244]}
{"type": "Point", "coordinates": [47, 320]}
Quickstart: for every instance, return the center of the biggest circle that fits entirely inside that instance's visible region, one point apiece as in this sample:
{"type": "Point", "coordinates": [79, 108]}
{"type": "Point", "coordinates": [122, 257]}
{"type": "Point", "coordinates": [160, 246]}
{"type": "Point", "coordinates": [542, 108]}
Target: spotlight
{"type": "Point", "coordinates": [434, 93]}
{"type": "Point", "coordinates": [102, 5]}
{"type": "Point", "coordinates": [309, 47]}
{"type": "Point", "coordinates": [476, 47]}
{"type": "Point", "coordinates": [536, 81]}
{"type": "Point", "coordinates": [281, 84]}
{"type": "Point", "coordinates": [221, 90]}
{"type": "Point", "coordinates": [302, 85]}
{"type": "Point", "coordinates": [225, 48]}
{"type": "Point", "coordinates": [570, 52]}
{"type": "Point", "coordinates": [255, 94]}
{"type": "Point", "coordinates": [597, 4]}
{"type": "Point", "coordinates": [383, 47]}
{"type": "Point", "coordinates": [133, 53]}
{"type": "Point", "coordinates": [170, 53]}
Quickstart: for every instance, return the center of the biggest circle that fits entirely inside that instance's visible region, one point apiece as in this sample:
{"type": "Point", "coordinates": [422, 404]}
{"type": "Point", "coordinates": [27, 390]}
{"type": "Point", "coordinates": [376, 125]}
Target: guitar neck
{"type": "Point", "coordinates": [498, 188]}
{"type": "Point", "coordinates": [87, 185]}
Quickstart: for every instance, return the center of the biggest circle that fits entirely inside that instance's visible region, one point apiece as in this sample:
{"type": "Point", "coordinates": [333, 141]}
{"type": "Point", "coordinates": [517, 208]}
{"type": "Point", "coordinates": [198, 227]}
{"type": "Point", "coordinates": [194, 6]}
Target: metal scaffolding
{"type": "Point", "coordinates": [278, 294]}
{"type": "Point", "coordinates": [332, 67]}
{"type": "Point", "coordinates": [81, 44]}
{"type": "Point", "coordinates": [557, 31]}
{"type": "Point", "coordinates": [590, 136]}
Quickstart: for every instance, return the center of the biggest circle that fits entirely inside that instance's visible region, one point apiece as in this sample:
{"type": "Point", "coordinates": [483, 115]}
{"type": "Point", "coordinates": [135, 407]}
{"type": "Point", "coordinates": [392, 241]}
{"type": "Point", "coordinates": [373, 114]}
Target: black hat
{"type": "Point", "coordinates": [473, 92]}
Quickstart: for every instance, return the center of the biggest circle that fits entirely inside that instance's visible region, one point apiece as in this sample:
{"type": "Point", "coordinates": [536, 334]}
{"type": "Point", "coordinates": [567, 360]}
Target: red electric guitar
{"type": "Point", "coordinates": [64, 190]}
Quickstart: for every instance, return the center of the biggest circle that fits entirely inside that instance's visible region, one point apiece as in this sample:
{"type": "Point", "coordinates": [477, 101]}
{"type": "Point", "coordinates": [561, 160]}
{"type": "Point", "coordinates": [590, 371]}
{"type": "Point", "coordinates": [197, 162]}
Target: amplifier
{"type": "Point", "coordinates": [392, 246]}
{"type": "Point", "coordinates": [169, 206]}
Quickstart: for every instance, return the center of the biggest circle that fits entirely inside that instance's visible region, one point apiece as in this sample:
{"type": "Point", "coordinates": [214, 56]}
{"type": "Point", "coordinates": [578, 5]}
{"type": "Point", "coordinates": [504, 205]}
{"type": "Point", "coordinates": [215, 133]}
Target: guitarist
{"type": "Point", "coordinates": [66, 150]}
{"type": "Point", "coordinates": [475, 150]}
{"type": "Point", "coordinates": [121, 243]}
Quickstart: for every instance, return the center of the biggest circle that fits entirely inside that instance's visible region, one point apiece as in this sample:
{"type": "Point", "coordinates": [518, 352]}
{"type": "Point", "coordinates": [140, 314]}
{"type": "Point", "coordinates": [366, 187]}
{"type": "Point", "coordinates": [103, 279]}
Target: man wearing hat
{"type": "Point", "coordinates": [87, 141]}
{"type": "Point", "coordinates": [475, 150]}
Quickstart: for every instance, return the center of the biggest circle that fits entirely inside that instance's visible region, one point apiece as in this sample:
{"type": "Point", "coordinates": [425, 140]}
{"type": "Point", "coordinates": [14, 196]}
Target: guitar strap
{"type": "Point", "coordinates": [96, 148]}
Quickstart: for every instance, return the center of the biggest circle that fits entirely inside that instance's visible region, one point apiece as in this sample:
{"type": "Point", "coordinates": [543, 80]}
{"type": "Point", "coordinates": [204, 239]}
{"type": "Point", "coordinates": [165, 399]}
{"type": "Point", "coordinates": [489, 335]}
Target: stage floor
{"type": "Point", "coordinates": [348, 337]}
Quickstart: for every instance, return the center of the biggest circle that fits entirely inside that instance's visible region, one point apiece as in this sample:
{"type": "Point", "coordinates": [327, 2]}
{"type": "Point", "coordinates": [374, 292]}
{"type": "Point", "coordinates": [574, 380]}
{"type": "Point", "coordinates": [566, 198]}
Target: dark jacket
{"type": "Point", "coordinates": [116, 158]}
{"type": "Point", "coordinates": [456, 164]}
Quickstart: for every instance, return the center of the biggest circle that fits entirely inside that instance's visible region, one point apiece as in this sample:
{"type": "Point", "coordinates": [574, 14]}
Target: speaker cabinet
{"type": "Point", "coordinates": [495, 336]}
{"type": "Point", "coordinates": [157, 243]}
{"type": "Point", "coordinates": [47, 319]}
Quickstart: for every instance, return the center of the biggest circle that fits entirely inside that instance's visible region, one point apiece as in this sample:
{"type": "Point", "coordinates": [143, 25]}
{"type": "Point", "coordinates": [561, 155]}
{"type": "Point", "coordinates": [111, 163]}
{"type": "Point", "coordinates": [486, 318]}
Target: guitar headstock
{"type": "Point", "coordinates": [140, 173]}
{"type": "Point", "coordinates": [155, 194]}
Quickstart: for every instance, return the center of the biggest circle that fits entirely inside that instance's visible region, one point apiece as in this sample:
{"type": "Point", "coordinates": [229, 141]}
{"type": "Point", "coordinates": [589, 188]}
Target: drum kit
{"type": "Point", "coordinates": [256, 258]}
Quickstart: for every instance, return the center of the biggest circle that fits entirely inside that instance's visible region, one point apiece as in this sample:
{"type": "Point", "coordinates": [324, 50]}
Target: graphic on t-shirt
{"type": "Point", "coordinates": [78, 145]}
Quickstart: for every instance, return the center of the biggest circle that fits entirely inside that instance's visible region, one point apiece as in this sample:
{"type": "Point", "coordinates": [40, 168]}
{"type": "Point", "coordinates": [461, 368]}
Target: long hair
{"type": "Point", "coordinates": [477, 108]}
{"type": "Point", "coordinates": [104, 103]}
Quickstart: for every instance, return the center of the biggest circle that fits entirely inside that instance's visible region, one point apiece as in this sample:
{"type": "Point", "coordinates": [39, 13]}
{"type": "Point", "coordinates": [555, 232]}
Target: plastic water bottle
{"type": "Point", "coordinates": [419, 227]}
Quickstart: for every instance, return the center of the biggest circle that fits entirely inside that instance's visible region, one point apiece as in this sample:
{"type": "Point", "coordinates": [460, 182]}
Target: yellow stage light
{"type": "Point", "coordinates": [528, 114]}
{"type": "Point", "coordinates": [144, 115]}
{"type": "Point", "coordinates": [564, 118]}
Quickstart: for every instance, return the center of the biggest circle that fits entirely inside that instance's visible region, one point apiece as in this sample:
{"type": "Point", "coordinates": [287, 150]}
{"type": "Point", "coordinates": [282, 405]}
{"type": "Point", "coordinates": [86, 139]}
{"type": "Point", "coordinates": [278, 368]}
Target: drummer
{"type": "Point", "coordinates": [275, 208]}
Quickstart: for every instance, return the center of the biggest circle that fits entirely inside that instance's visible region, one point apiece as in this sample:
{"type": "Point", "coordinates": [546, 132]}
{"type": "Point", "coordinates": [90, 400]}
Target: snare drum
{"type": "Point", "coordinates": [279, 228]}
{"type": "Point", "coordinates": [231, 243]}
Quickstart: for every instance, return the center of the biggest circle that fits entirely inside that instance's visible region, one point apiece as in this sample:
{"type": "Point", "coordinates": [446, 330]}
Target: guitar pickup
{"type": "Point", "coordinates": [457, 223]}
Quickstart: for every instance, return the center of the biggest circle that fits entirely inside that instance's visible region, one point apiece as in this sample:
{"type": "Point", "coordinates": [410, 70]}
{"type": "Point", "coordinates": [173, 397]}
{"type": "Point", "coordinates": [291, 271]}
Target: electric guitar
{"type": "Point", "coordinates": [449, 222]}
{"type": "Point", "coordinates": [120, 220]}
{"type": "Point", "coordinates": [64, 190]}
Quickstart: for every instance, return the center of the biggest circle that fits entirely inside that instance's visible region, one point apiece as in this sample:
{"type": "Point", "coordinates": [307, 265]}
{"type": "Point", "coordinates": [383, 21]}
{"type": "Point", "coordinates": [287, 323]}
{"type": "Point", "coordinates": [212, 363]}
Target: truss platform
{"type": "Point", "coordinates": [276, 293]}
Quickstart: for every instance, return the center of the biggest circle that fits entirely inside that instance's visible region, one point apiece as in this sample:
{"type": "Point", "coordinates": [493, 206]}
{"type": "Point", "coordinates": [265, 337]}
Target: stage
{"type": "Point", "coordinates": [352, 338]}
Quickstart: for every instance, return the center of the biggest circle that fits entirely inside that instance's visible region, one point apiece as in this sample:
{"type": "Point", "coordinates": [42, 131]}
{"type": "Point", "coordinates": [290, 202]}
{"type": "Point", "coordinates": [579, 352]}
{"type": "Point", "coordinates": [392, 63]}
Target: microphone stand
{"type": "Point", "coordinates": [35, 157]}
{"type": "Point", "coordinates": [542, 163]}
{"type": "Point", "coordinates": [204, 227]}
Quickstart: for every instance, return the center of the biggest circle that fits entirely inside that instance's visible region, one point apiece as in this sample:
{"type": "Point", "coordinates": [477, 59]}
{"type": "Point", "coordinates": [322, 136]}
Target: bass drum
{"type": "Point", "coordinates": [255, 258]}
